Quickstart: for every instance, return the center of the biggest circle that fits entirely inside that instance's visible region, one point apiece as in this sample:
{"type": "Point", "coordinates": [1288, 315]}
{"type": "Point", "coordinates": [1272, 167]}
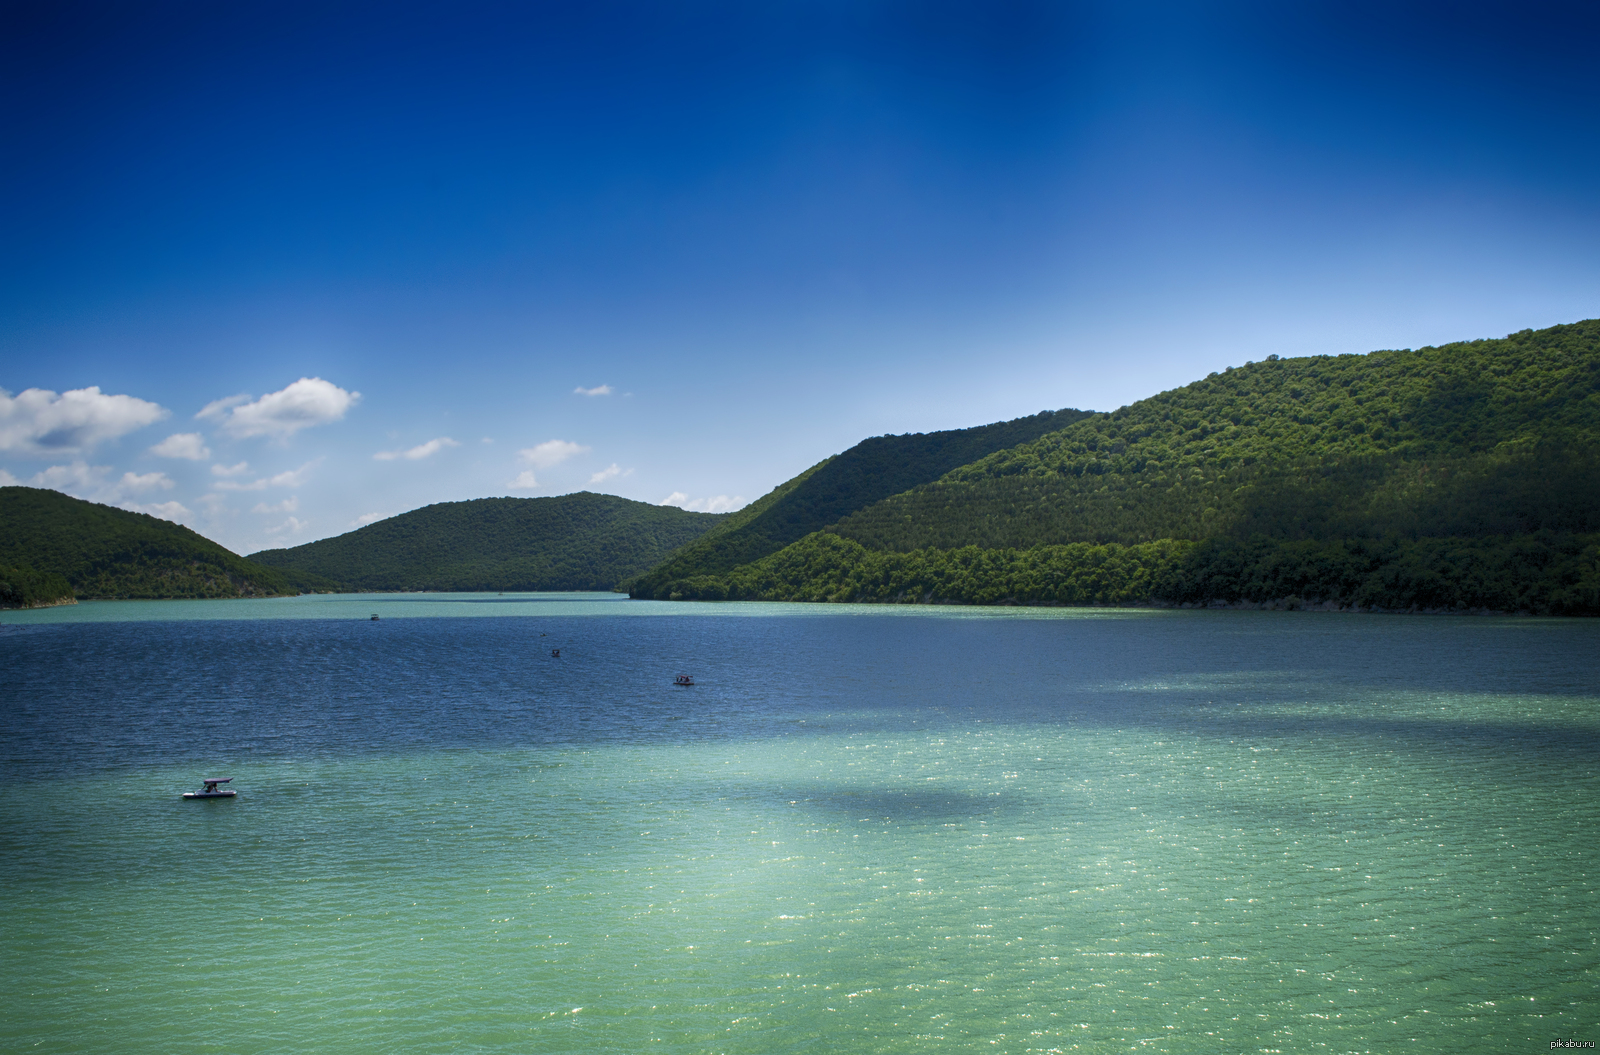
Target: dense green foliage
{"type": "Point", "coordinates": [1482, 438]}
{"type": "Point", "coordinates": [112, 553]}
{"type": "Point", "coordinates": [26, 588]}
{"type": "Point", "coordinates": [1460, 477]}
{"type": "Point", "coordinates": [870, 471]}
{"type": "Point", "coordinates": [1546, 573]}
{"type": "Point", "coordinates": [581, 541]}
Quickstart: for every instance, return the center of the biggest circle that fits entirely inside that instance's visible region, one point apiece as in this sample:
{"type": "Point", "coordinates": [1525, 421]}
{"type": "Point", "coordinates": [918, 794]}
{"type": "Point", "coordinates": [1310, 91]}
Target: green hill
{"type": "Point", "coordinates": [1462, 476]}
{"type": "Point", "coordinates": [580, 541]}
{"type": "Point", "coordinates": [111, 553]}
{"type": "Point", "coordinates": [870, 471]}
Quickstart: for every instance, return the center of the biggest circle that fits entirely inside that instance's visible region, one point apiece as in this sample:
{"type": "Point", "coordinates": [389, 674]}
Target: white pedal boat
{"type": "Point", "coordinates": [211, 791]}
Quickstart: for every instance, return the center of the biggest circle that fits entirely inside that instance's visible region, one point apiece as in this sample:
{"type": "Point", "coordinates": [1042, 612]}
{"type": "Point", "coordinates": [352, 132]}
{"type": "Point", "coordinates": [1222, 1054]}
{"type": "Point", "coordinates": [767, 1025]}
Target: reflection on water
{"type": "Point", "coordinates": [862, 829]}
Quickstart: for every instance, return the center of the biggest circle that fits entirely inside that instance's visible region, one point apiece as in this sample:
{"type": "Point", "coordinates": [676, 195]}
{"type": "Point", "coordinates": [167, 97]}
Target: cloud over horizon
{"type": "Point", "coordinates": [38, 421]}
{"type": "Point", "coordinates": [420, 451]}
{"type": "Point", "coordinates": [550, 453]}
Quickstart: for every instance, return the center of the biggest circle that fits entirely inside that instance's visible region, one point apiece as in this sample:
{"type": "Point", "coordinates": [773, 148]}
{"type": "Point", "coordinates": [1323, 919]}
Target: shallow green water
{"type": "Point", "coordinates": [874, 830]}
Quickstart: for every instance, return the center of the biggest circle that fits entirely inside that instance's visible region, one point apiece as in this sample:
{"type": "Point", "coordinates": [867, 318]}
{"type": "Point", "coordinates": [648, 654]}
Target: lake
{"type": "Point", "coordinates": [863, 829]}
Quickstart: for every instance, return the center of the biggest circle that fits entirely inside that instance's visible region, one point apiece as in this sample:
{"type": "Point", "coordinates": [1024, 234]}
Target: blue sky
{"type": "Point", "coordinates": [275, 270]}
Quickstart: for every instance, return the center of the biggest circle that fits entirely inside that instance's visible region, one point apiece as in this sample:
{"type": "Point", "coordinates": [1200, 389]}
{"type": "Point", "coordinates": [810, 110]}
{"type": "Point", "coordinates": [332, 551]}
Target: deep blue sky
{"type": "Point", "coordinates": [770, 229]}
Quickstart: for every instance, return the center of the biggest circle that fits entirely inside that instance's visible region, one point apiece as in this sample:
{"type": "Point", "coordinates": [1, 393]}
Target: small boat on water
{"type": "Point", "coordinates": [683, 679]}
{"type": "Point", "coordinates": [211, 791]}
{"type": "Point", "coordinates": [374, 617]}
{"type": "Point", "coordinates": [556, 652]}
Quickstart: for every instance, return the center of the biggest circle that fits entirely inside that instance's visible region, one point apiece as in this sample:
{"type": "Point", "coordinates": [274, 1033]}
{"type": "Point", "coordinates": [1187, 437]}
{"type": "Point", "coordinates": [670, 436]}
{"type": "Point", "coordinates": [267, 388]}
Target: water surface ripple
{"type": "Point", "coordinates": [862, 830]}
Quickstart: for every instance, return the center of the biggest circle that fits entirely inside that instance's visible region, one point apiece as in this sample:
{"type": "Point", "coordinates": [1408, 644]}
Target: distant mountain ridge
{"type": "Point", "coordinates": [1465, 476]}
{"type": "Point", "coordinates": [581, 541]}
{"type": "Point", "coordinates": [103, 552]}
{"type": "Point", "coordinates": [835, 487]}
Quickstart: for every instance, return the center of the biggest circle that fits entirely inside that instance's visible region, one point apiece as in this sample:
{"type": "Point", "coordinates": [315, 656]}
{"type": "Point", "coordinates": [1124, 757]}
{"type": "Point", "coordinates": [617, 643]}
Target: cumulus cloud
{"type": "Point", "coordinates": [230, 470]}
{"type": "Point", "coordinates": [72, 479]}
{"type": "Point", "coordinates": [309, 401]}
{"type": "Point", "coordinates": [607, 473]}
{"type": "Point", "coordinates": [190, 445]}
{"type": "Point", "coordinates": [420, 451]}
{"type": "Point", "coordinates": [288, 505]}
{"type": "Point", "coordinates": [38, 421]}
{"type": "Point", "coordinates": [7, 480]}
{"type": "Point", "coordinates": [94, 483]}
{"type": "Point", "coordinates": [369, 518]}
{"type": "Point", "coordinates": [550, 453]}
{"type": "Point", "coordinates": [597, 390]}
{"type": "Point", "coordinates": [525, 481]}
{"type": "Point", "coordinates": [719, 504]}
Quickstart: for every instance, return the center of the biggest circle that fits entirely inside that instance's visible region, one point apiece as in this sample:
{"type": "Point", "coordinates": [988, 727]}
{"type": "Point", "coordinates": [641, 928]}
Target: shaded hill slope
{"type": "Point", "coordinates": [581, 541]}
{"type": "Point", "coordinates": [870, 471]}
{"type": "Point", "coordinates": [1478, 438]}
{"type": "Point", "coordinates": [111, 553]}
{"type": "Point", "coordinates": [1466, 475]}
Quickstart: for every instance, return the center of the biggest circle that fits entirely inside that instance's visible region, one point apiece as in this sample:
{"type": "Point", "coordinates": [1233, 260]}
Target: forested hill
{"type": "Point", "coordinates": [580, 541]}
{"type": "Point", "coordinates": [1466, 475]}
{"type": "Point", "coordinates": [870, 471]}
{"type": "Point", "coordinates": [102, 552]}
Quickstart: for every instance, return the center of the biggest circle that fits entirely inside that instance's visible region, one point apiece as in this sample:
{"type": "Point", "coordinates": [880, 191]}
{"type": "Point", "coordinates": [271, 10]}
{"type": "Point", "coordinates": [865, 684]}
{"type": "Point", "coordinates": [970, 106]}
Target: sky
{"type": "Point", "coordinates": [277, 270]}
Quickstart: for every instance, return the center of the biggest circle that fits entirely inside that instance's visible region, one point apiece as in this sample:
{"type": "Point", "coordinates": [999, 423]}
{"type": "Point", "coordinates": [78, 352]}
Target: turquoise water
{"type": "Point", "coordinates": [863, 829]}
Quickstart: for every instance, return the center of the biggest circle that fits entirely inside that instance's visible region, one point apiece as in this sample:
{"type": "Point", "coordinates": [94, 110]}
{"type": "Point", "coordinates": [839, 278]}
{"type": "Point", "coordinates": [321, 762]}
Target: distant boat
{"type": "Point", "coordinates": [210, 789]}
{"type": "Point", "coordinates": [556, 652]}
{"type": "Point", "coordinates": [374, 617]}
{"type": "Point", "coordinates": [683, 679]}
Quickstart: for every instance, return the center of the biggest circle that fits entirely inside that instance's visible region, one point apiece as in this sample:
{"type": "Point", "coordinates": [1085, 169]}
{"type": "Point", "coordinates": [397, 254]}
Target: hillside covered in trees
{"type": "Point", "coordinates": [1460, 476]}
{"type": "Point", "coordinates": [581, 541]}
{"type": "Point", "coordinates": [48, 539]}
{"type": "Point", "coordinates": [870, 471]}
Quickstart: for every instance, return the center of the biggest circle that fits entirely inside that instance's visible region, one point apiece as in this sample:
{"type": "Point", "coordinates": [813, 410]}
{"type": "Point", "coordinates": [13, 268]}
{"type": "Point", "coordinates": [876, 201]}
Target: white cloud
{"type": "Point", "coordinates": [417, 453]}
{"type": "Point", "coordinates": [525, 481]}
{"type": "Point", "coordinates": [190, 445]}
{"type": "Point", "coordinates": [92, 483]}
{"type": "Point", "coordinates": [41, 422]}
{"type": "Point", "coordinates": [289, 478]}
{"type": "Point", "coordinates": [309, 401]}
{"type": "Point", "coordinates": [75, 479]}
{"type": "Point", "coordinates": [292, 526]}
{"type": "Point", "coordinates": [234, 485]}
{"type": "Point", "coordinates": [294, 477]}
{"type": "Point", "coordinates": [7, 480]}
{"type": "Point", "coordinates": [132, 484]}
{"type": "Point", "coordinates": [288, 505]}
{"type": "Point", "coordinates": [607, 473]}
{"type": "Point", "coordinates": [719, 504]}
{"type": "Point", "coordinates": [597, 390]}
{"type": "Point", "coordinates": [176, 512]}
{"type": "Point", "coordinates": [230, 470]}
{"type": "Point", "coordinates": [218, 408]}
{"type": "Point", "coordinates": [368, 518]}
{"type": "Point", "coordinates": [549, 453]}
{"type": "Point", "coordinates": [487, 439]}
